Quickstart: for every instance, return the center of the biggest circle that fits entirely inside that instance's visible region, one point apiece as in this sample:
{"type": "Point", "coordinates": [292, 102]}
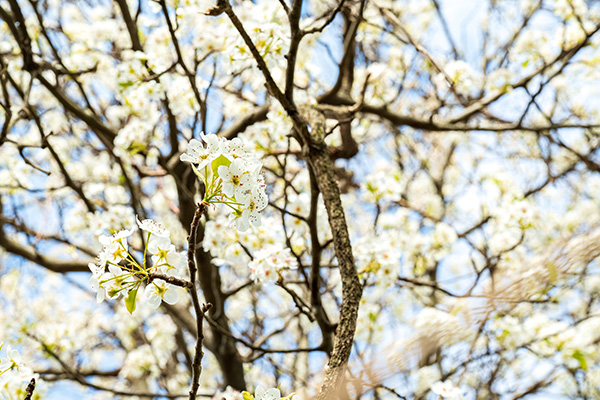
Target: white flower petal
{"type": "Point", "coordinates": [154, 301]}
{"type": "Point", "coordinates": [171, 296]}
{"type": "Point", "coordinates": [116, 271]}
{"type": "Point", "coordinates": [153, 227]}
{"type": "Point", "coordinates": [100, 295]}
{"type": "Point", "coordinates": [188, 158]}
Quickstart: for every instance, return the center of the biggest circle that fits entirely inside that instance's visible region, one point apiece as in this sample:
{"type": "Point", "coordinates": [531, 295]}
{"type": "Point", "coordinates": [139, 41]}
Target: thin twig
{"type": "Point", "coordinates": [329, 20]}
{"type": "Point", "coordinates": [196, 364]}
{"type": "Point", "coordinates": [76, 376]}
{"type": "Point", "coordinates": [170, 279]}
{"type": "Point", "coordinates": [30, 388]}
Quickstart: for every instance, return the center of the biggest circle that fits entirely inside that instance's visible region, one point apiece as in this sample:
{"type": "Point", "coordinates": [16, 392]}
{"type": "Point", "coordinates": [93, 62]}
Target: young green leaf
{"type": "Point", "coordinates": [130, 300]}
{"type": "Point", "coordinates": [217, 162]}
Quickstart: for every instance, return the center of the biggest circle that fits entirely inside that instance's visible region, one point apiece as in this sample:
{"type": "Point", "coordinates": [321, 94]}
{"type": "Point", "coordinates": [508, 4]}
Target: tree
{"type": "Point", "coordinates": [433, 203]}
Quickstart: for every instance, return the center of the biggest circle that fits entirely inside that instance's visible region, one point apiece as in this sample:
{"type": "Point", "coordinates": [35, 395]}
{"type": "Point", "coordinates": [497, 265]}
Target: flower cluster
{"type": "Point", "coordinates": [269, 261]}
{"type": "Point", "coordinates": [13, 362]}
{"type": "Point", "coordinates": [446, 390]}
{"type": "Point", "coordinates": [13, 374]}
{"type": "Point", "coordinates": [259, 394]}
{"type": "Point", "coordinates": [265, 23]}
{"type": "Point", "coordinates": [231, 176]}
{"type": "Point", "coordinates": [125, 274]}
{"type": "Point", "coordinates": [228, 394]}
{"type": "Point", "coordinates": [268, 394]}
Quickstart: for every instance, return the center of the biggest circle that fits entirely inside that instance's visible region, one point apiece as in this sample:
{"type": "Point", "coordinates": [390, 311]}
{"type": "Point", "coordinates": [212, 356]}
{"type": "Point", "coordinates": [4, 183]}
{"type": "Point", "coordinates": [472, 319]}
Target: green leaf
{"type": "Point", "coordinates": [136, 147]}
{"type": "Point", "coordinates": [125, 85]}
{"type": "Point", "coordinates": [130, 300]}
{"type": "Point", "coordinates": [578, 355]}
{"type": "Point", "coordinates": [217, 162]}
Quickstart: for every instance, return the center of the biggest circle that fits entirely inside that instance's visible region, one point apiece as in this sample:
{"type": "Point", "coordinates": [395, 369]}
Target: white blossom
{"type": "Point", "coordinates": [198, 154]}
{"type": "Point", "coordinates": [447, 390]}
{"type": "Point", "coordinates": [153, 227]}
{"type": "Point", "coordinates": [268, 261]}
{"type": "Point", "coordinates": [158, 291]}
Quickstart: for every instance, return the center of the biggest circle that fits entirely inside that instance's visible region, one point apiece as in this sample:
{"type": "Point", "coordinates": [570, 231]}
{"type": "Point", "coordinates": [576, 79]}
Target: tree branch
{"type": "Point", "coordinates": [29, 390]}
{"type": "Point", "coordinates": [196, 363]}
{"type": "Point", "coordinates": [316, 152]}
{"type": "Point", "coordinates": [31, 254]}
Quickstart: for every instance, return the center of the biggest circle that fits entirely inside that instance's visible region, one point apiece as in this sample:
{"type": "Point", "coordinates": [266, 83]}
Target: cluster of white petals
{"type": "Point", "coordinates": [117, 272]}
{"type": "Point", "coordinates": [13, 362]}
{"type": "Point", "coordinates": [266, 394]}
{"type": "Point", "coordinates": [269, 261]}
{"type": "Point", "coordinates": [447, 390]}
{"type": "Point", "coordinates": [228, 394]}
{"type": "Point", "coordinates": [231, 175]}
{"type": "Point", "coordinates": [14, 373]}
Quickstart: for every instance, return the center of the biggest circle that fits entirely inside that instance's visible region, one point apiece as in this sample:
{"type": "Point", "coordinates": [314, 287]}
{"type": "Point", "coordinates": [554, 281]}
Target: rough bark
{"type": "Point", "coordinates": [317, 155]}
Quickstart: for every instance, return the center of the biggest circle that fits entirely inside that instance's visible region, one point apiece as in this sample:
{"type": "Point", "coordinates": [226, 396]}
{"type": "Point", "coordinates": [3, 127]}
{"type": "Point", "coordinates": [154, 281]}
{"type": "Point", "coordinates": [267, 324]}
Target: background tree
{"type": "Point", "coordinates": [432, 174]}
